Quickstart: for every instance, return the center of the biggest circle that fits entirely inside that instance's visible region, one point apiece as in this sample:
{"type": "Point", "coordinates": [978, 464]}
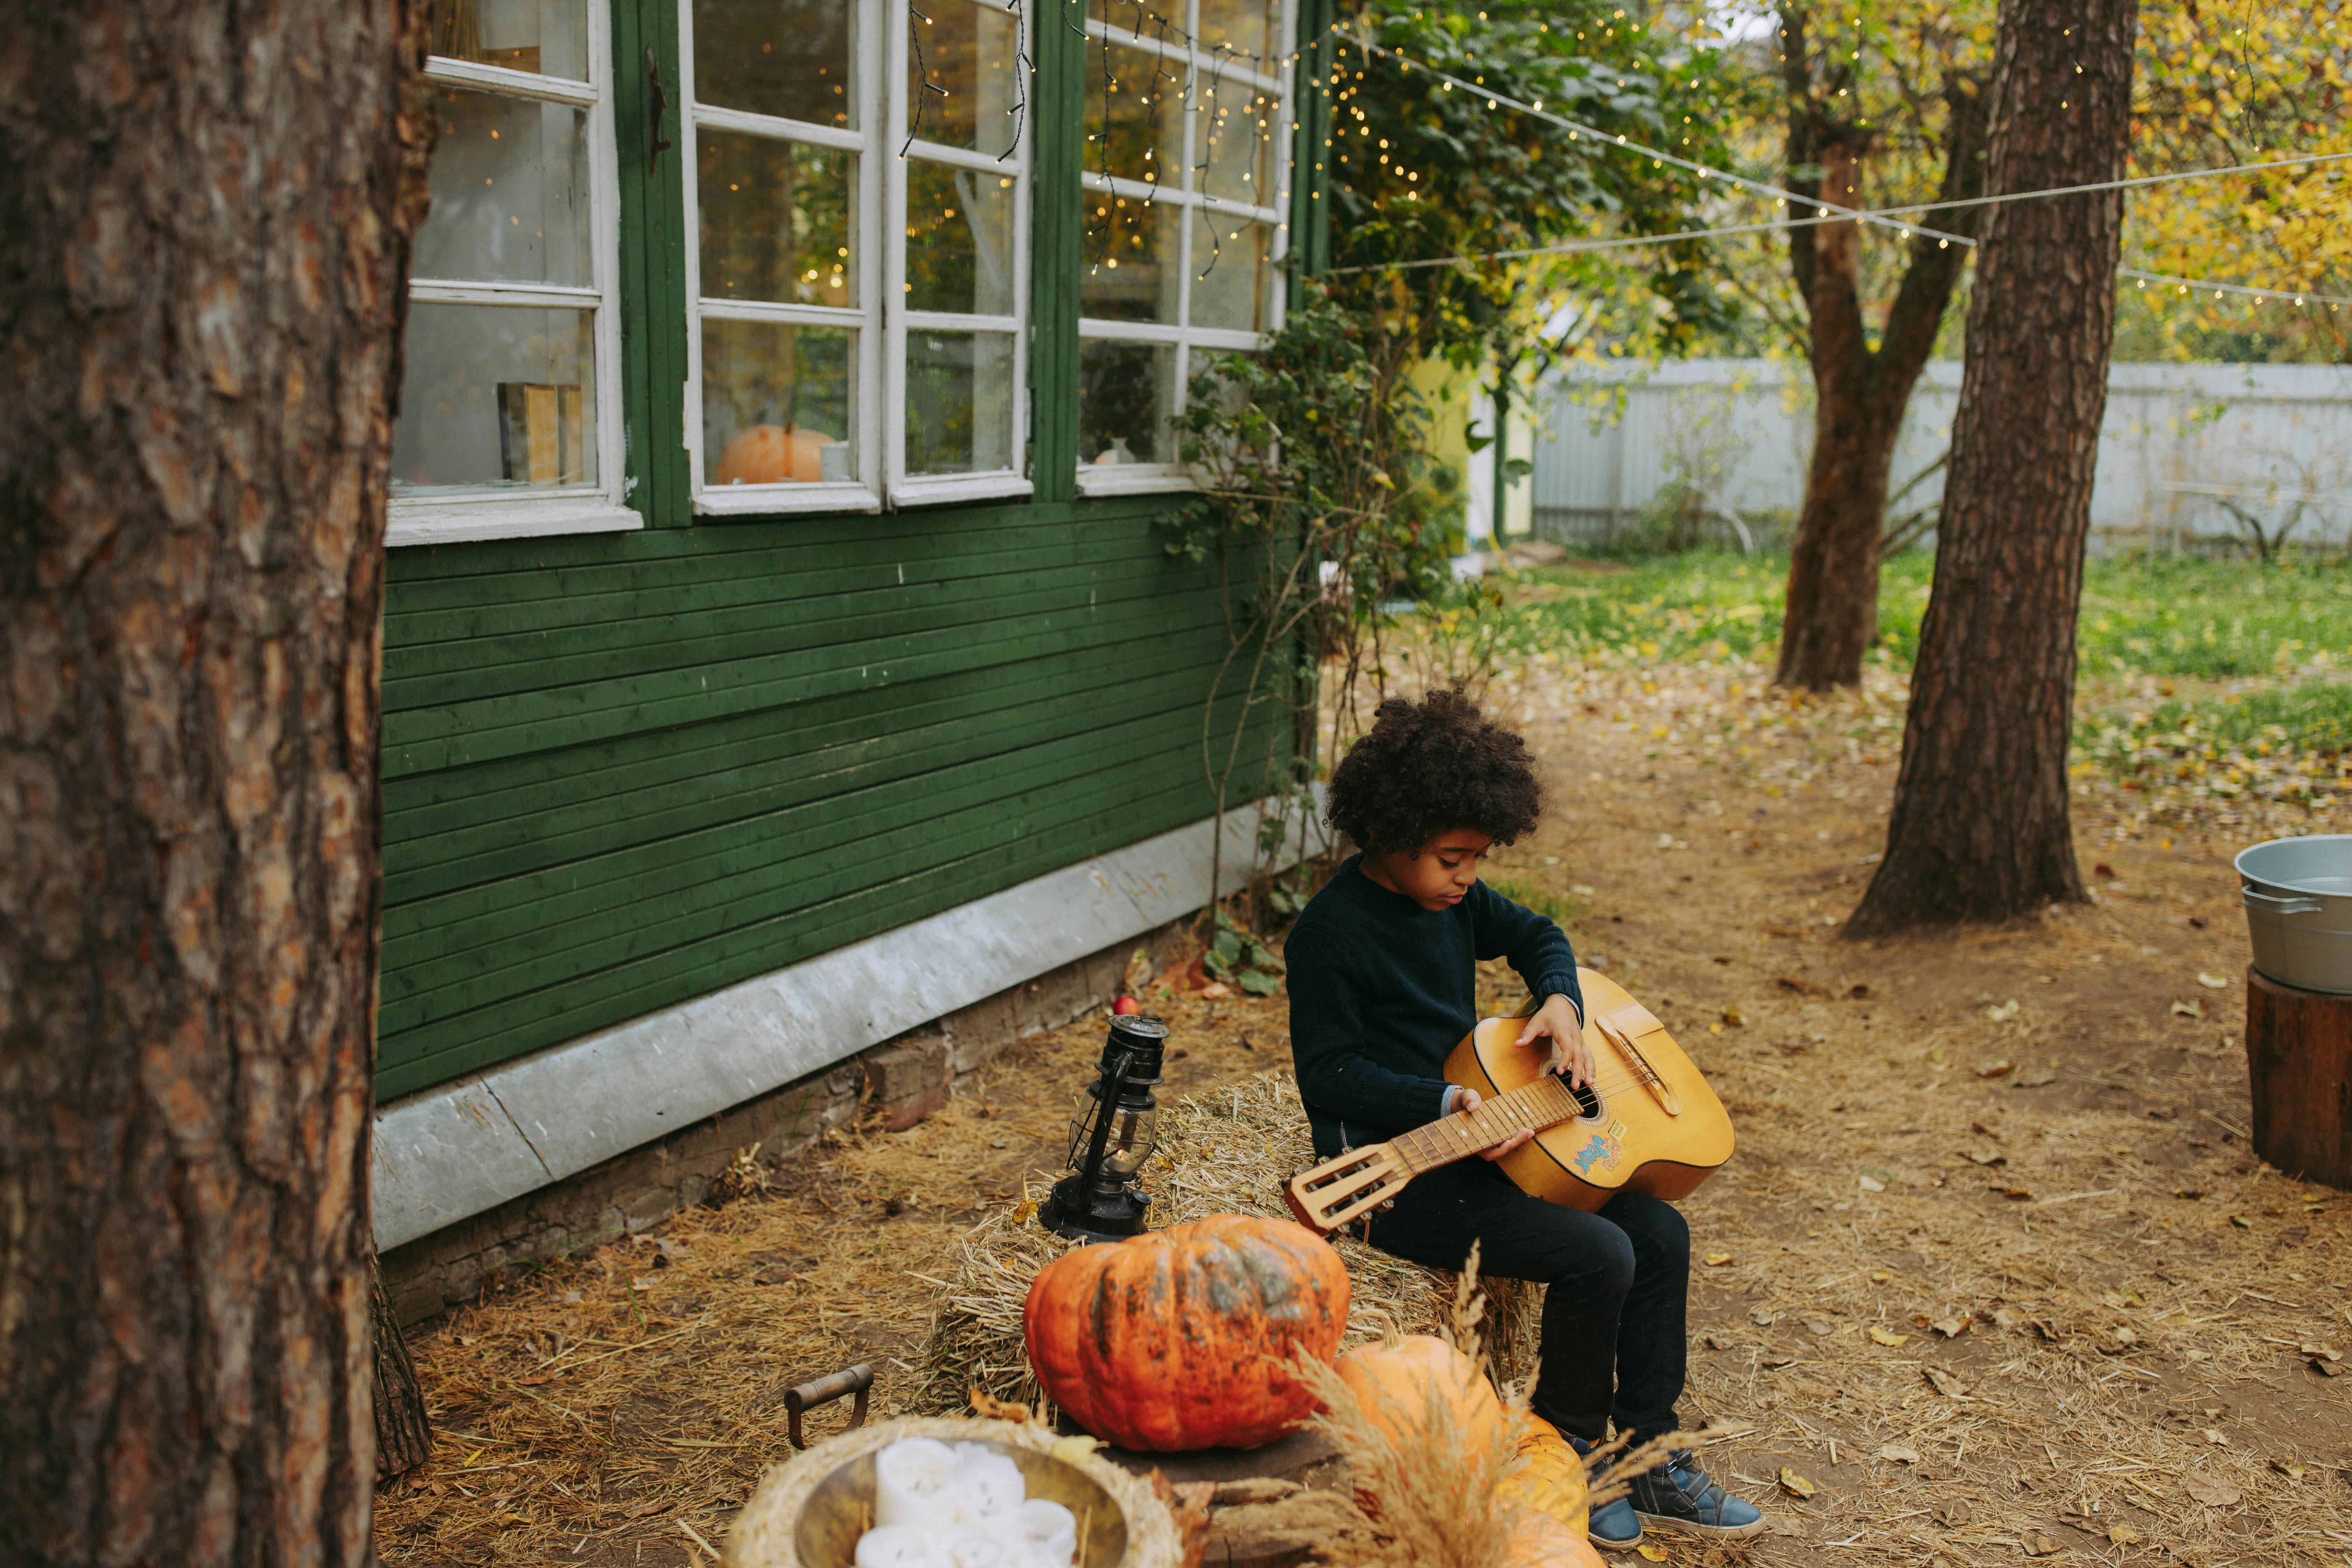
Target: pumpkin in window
{"type": "Point", "coordinates": [773, 455]}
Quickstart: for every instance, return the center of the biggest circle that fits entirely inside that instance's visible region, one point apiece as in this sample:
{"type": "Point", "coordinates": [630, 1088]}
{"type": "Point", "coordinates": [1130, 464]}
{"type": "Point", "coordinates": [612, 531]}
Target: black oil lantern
{"type": "Point", "coordinates": [1114, 1127]}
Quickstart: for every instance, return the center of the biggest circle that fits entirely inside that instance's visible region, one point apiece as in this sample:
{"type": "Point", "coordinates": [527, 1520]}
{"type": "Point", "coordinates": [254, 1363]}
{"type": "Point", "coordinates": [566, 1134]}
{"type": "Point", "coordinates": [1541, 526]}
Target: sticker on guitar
{"type": "Point", "coordinates": [1603, 1150]}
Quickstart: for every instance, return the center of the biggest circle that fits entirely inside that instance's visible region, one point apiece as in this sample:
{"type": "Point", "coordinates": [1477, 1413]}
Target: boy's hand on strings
{"type": "Point", "coordinates": [1570, 1057]}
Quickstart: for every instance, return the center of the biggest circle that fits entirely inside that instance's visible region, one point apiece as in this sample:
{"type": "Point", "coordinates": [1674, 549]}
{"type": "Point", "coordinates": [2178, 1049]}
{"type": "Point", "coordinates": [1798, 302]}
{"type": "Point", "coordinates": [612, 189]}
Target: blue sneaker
{"type": "Point", "coordinates": [1678, 1496]}
{"type": "Point", "coordinates": [1613, 1525]}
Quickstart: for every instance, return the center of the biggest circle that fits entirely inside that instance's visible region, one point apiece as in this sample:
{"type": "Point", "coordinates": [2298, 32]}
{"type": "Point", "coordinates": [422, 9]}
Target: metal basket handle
{"type": "Point", "coordinates": [857, 1380]}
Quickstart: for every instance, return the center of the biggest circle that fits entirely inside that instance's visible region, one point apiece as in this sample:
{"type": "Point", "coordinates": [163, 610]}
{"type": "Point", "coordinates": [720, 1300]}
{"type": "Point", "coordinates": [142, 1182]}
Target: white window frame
{"type": "Point", "coordinates": [1133, 479]}
{"type": "Point", "coordinates": [458, 515]}
{"type": "Point", "coordinates": [881, 322]}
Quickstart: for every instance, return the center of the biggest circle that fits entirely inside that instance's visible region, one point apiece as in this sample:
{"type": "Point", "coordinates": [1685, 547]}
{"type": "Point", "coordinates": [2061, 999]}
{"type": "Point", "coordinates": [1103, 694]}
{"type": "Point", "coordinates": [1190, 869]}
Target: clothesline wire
{"type": "Point", "coordinates": [1577, 246]}
{"type": "Point", "coordinates": [1829, 211]}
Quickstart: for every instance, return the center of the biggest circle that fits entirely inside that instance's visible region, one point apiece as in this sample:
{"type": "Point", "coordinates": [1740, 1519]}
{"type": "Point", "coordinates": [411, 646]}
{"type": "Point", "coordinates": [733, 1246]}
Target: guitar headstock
{"type": "Point", "coordinates": [1346, 1188]}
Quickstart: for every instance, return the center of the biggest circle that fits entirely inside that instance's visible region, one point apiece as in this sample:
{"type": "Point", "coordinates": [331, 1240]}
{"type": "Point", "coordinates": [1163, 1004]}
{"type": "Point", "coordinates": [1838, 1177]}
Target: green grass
{"type": "Point", "coordinates": [2214, 619]}
{"type": "Point", "coordinates": [2150, 615]}
{"type": "Point", "coordinates": [2288, 742]}
{"type": "Point", "coordinates": [1544, 902]}
{"type": "Point", "coordinates": [2316, 715]}
{"type": "Point", "coordinates": [1699, 606]}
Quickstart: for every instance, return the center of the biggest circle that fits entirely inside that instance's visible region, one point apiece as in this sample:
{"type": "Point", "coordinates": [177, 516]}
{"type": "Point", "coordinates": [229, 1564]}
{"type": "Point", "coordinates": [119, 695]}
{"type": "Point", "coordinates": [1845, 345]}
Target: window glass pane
{"type": "Point", "coordinates": [959, 240]}
{"type": "Point", "coordinates": [788, 57]}
{"type": "Point", "coordinates": [1132, 265]}
{"type": "Point", "coordinates": [1127, 398]}
{"type": "Point", "coordinates": [779, 219]}
{"type": "Point", "coordinates": [491, 396]}
{"type": "Point", "coordinates": [549, 36]}
{"type": "Point", "coordinates": [1241, 27]}
{"type": "Point", "coordinates": [776, 400]}
{"type": "Point", "coordinates": [958, 402]}
{"type": "Point", "coordinates": [1229, 273]}
{"type": "Point", "coordinates": [1146, 97]}
{"type": "Point", "coordinates": [509, 181]}
{"type": "Point", "coordinates": [1231, 135]}
{"type": "Point", "coordinates": [965, 52]}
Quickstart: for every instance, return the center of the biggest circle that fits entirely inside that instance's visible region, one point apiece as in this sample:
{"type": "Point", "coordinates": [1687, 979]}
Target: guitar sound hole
{"type": "Point", "coordinates": [1588, 1103]}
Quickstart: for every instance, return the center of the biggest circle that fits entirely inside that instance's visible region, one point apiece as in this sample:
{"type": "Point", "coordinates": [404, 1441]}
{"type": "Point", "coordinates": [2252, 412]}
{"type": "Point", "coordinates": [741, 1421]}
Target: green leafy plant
{"type": "Point", "coordinates": [1235, 955]}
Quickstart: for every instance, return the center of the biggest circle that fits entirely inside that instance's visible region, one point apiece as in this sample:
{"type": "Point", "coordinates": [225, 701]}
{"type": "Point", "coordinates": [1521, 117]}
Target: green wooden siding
{"type": "Point", "coordinates": [621, 772]}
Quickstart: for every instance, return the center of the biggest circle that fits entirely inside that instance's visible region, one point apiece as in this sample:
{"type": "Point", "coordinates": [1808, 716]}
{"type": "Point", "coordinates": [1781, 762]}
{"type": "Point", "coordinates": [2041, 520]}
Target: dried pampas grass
{"type": "Point", "coordinates": [1228, 1152]}
{"type": "Point", "coordinates": [1425, 1478]}
{"type": "Point", "coordinates": [1432, 1484]}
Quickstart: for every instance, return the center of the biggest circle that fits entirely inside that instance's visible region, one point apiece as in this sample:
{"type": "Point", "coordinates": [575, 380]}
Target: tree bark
{"type": "Point", "coordinates": [404, 1437]}
{"type": "Point", "coordinates": [1980, 828]}
{"type": "Point", "coordinates": [204, 239]}
{"type": "Point", "coordinates": [1860, 393]}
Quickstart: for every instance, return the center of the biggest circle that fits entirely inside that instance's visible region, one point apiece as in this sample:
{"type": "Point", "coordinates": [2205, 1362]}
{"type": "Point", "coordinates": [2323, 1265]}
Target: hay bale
{"type": "Point", "coordinates": [1228, 1152]}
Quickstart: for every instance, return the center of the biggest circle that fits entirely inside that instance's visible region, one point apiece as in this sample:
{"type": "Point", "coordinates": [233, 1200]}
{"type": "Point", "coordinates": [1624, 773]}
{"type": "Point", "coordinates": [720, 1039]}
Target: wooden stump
{"type": "Point", "coordinates": [2299, 1061]}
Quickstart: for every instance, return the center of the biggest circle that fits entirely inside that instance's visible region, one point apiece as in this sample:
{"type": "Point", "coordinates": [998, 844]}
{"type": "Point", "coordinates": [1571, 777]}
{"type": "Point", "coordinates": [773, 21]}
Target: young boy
{"type": "Point", "coordinates": [1383, 987]}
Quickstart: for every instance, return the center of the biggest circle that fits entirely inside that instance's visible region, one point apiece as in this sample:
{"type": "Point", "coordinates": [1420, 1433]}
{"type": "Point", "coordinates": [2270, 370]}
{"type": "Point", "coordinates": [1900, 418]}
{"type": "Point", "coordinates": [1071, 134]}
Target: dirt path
{"type": "Point", "coordinates": [1993, 1272]}
{"type": "Point", "coordinates": [2031, 1135]}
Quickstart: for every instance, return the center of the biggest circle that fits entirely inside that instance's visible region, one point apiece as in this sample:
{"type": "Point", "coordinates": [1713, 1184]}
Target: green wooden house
{"type": "Point", "coordinates": [779, 641]}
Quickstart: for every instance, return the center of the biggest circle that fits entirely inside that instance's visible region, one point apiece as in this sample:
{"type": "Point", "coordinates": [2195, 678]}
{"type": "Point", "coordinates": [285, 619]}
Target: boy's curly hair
{"type": "Point", "coordinates": [1429, 766]}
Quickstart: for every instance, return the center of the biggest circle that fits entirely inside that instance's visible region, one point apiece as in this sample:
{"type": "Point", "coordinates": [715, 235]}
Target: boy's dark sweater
{"type": "Point", "coordinates": [1382, 990]}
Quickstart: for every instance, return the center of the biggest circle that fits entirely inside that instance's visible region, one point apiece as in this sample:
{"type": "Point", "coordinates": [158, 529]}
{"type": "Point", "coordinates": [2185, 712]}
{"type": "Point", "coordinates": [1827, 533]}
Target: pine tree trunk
{"type": "Point", "coordinates": [203, 237]}
{"type": "Point", "coordinates": [1980, 828]}
{"type": "Point", "coordinates": [404, 1437]}
{"type": "Point", "coordinates": [1860, 393]}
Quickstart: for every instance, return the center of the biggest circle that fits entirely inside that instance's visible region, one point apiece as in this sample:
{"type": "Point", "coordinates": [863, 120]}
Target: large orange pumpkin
{"type": "Point", "coordinates": [1553, 1481]}
{"type": "Point", "coordinates": [771, 455]}
{"type": "Point", "coordinates": [1539, 1540]}
{"type": "Point", "coordinates": [1396, 1382]}
{"type": "Point", "coordinates": [1180, 1338]}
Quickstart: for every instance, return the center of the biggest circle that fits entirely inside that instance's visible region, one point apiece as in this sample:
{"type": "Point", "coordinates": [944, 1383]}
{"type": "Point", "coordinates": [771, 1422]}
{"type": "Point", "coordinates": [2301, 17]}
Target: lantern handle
{"type": "Point", "coordinates": [1106, 1107]}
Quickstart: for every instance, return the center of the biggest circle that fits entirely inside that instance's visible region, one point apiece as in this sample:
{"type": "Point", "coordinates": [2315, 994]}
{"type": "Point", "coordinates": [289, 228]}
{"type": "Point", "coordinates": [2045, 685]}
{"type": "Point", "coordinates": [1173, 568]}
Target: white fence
{"type": "Point", "coordinates": [2188, 452]}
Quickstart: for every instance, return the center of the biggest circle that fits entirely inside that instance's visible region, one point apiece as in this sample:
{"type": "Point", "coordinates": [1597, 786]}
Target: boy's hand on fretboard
{"type": "Point", "coordinates": [1570, 1057]}
{"type": "Point", "coordinates": [1468, 1102]}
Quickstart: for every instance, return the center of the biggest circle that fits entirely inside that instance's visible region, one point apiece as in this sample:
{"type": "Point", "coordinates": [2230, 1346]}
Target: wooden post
{"type": "Point", "coordinates": [2299, 1063]}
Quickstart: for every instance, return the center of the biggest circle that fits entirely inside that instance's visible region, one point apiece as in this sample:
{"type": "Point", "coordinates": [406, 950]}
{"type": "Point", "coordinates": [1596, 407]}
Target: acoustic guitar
{"type": "Point", "coordinates": [1646, 1124]}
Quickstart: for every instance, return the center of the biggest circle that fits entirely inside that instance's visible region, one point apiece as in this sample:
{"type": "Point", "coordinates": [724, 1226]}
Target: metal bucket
{"type": "Point", "coordinates": [2298, 894]}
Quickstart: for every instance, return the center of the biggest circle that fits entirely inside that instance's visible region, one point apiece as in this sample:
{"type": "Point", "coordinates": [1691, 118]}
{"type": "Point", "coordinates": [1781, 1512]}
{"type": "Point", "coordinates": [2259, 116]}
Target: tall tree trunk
{"type": "Point", "coordinates": [1833, 609]}
{"type": "Point", "coordinates": [1860, 393]}
{"type": "Point", "coordinates": [1981, 827]}
{"type": "Point", "coordinates": [204, 238]}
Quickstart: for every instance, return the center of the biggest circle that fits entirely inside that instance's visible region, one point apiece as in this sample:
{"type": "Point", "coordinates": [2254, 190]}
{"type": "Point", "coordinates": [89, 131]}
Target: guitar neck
{"type": "Point", "coordinates": [1530, 1108]}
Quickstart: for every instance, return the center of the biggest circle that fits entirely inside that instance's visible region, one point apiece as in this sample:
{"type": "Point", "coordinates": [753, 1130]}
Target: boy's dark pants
{"type": "Point", "coordinates": [1618, 1283]}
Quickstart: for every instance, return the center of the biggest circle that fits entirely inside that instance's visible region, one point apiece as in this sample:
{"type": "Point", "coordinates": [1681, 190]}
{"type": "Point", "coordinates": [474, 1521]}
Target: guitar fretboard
{"type": "Point", "coordinates": [1528, 1108]}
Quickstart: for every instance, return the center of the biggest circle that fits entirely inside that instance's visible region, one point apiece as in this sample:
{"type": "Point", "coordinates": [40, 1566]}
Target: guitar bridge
{"type": "Point", "coordinates": [1612, 1028]}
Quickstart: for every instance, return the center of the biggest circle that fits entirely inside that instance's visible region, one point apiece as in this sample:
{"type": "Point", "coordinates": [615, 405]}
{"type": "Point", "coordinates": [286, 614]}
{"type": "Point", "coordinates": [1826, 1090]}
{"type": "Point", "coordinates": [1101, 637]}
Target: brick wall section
{"type": "Point", "coordinates": [905, 1080]}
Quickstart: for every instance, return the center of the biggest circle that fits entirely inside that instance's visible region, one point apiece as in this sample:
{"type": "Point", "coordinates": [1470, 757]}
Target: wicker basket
{"type": "Point", "coordinates": [809, 1511]}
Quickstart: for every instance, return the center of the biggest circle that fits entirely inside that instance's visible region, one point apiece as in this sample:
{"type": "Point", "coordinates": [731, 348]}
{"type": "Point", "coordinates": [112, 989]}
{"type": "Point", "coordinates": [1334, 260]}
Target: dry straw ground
{"type": "Point", "coordinates": [1992, 1280]}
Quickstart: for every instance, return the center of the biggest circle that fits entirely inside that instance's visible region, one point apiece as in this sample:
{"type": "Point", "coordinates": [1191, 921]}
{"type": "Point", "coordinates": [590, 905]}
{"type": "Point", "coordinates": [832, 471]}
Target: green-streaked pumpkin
{"type": "Point", "coordinates": [1182, 1337]}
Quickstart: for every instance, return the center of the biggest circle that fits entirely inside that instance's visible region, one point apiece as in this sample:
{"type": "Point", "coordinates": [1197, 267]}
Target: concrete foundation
{"type": "Point", "coordinates": [906, 1080]}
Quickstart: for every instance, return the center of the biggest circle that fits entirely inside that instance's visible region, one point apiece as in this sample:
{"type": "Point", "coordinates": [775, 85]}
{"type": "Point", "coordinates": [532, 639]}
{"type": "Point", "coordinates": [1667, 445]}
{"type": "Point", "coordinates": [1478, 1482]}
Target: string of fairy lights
{"type": "Point", "coordinates": [1903, 220]}
{"type": "Point", "coordinates": [1151, 36]}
